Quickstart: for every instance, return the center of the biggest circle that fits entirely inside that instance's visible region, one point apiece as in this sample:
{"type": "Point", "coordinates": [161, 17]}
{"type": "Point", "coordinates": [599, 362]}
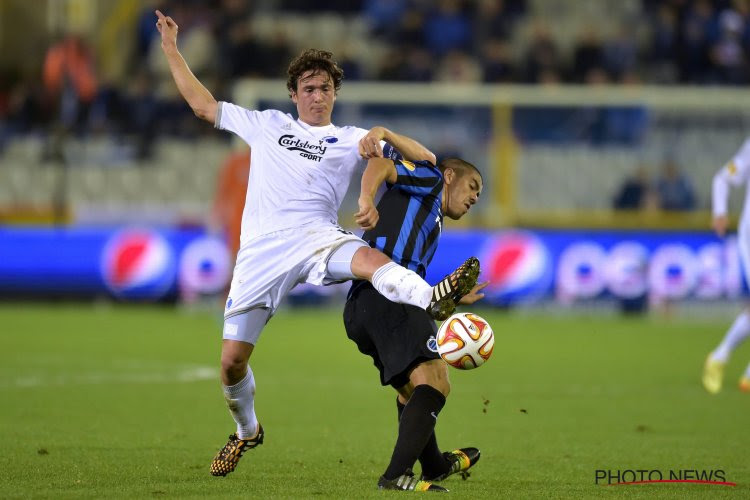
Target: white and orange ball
{"type": "Point", "coordinates": [465, 340]}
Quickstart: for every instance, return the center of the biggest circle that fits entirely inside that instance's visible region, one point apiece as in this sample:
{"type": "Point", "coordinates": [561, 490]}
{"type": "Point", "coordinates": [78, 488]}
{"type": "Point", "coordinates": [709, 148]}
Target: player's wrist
{"type": "Point", "coordinates": [170, 48]}
{"type": "Point", "coordinates": [386, 135]}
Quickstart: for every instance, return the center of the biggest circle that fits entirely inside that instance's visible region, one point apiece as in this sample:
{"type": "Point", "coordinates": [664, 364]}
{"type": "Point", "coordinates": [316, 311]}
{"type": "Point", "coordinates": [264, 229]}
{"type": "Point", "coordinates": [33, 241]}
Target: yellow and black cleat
{"type": "Point", "coordinates": [226, 459]}
{"type": "Point", "coordinates": [447, 293]}
{"type": "Point", "coordinates": [460, 461]}
{"type": "Point", "coordinates": [407, 482]}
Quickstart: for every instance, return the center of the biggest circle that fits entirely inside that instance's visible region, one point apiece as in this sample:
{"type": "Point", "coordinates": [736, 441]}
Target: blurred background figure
{"type": "Point", "coordinates": [636, 192]}
{"type": "Point", "coordinates": [735, 173]}
{"type": "Point", "coordinates": [675, 189]}
{"type": "Point", "coordinates": [70, 86]}
{"type": "Point", "coordinates": [229, 200]}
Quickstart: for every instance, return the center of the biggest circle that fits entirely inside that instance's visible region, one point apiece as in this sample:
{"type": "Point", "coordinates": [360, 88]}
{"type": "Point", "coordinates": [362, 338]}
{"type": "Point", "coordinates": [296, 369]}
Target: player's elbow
{"type": "Point", "coordinates": [206, 111]}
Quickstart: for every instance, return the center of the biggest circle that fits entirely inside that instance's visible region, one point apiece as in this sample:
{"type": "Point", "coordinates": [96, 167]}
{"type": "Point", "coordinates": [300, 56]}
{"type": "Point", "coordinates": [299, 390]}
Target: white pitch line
{"type": "Point", "coordinates": [181, 375]}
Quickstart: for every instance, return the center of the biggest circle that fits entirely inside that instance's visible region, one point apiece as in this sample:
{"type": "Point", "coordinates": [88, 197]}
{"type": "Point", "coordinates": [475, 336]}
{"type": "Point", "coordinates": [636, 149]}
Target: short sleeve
{"type": "Point", "coordinates": [737, 170]}
{"type": "Point", "coordinates": [238, 120]}
{"type": "Point", "coordinates": [417, 178]}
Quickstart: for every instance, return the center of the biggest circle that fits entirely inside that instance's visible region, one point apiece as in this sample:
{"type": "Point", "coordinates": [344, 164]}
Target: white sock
{"type": "Point", "coordinates": [240, 399]}
{"type": "Point", "coordinates": [747, 372]}
{"type": "Point", "coordinates": [401, 285]}
{"type": "Point", "coordinates": [738, 332]}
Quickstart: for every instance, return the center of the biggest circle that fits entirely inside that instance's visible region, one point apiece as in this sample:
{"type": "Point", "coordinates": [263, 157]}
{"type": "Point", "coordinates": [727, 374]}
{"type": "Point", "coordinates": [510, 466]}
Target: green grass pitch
{"type": "Point", "coordinates": [124, 402]}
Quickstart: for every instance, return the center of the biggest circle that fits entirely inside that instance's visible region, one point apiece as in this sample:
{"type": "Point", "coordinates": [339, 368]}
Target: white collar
{"type": "Point", "coordinates": [314, 128]}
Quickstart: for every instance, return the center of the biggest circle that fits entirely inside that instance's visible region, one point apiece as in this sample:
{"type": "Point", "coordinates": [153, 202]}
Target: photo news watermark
{"type": "Point", "coordinates": [622, 477]}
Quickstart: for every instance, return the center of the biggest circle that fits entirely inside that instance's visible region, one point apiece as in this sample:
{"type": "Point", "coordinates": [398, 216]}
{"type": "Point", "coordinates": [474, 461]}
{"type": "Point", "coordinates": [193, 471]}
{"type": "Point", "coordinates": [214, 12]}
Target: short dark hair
{"type": "Point", "coordinates": [317, 61]}
{"type": "Point", "coordinates": [460, 166]}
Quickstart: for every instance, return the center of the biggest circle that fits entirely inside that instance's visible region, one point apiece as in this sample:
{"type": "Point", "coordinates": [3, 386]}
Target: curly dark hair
{"type": "Point", "coordinates": [316, 60]}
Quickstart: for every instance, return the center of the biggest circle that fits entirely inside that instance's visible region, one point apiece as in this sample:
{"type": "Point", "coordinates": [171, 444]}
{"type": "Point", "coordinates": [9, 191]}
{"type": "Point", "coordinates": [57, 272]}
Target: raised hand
{"type": "Point", "coordinates": [168, 30]}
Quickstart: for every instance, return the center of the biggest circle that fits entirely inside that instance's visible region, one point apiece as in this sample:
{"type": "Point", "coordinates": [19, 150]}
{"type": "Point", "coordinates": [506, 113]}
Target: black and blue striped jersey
{"type": "Point", "coordinates": [411, 216]}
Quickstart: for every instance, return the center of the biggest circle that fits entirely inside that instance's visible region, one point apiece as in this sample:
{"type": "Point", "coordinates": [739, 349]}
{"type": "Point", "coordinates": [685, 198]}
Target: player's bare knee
{"type": "Point", "coordinates": [433, 373]}
{"type": "Point", "coordinates": [366, 261]}
{"type": "Point", "coordinates": [443, 385]}
{"type": "Point", "coordinates": [232, 370]}
{"type": "Point", "coordinates": [234, 359]}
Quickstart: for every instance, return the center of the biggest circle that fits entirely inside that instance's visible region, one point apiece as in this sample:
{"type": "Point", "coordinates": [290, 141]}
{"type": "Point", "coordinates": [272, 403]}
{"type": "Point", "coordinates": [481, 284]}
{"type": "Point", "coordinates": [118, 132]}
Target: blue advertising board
{"type": "Point", "coordinates": [130, 263]}
{"type": "Point", "coordinates": [147, 263]}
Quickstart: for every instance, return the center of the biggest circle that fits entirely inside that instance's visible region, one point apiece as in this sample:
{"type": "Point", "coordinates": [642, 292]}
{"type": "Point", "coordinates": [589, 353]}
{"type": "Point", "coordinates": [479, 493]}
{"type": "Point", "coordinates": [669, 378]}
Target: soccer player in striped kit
{"type": "Point", "coordinates": [405, 225]}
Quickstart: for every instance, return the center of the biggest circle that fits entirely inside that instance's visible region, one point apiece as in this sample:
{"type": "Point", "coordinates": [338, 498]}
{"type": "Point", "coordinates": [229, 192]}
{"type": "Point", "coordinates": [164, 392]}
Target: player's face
{"type": "Point", "coordinates": [462, 192]}
{"type": "Point", "coordinates": [314, 98]}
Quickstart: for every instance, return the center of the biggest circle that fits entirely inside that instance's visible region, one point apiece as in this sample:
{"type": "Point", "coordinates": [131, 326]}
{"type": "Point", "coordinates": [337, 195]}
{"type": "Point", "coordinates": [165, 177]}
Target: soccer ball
{"type": "Point", "coordinates": [465, 341]}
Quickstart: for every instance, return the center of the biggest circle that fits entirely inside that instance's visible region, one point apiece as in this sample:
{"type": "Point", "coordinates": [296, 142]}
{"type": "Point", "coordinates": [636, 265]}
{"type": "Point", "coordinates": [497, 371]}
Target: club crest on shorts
{"type": "Point", "coordinates": [229, 302]}
{"type": "Point", "coordinates": [432, 344]}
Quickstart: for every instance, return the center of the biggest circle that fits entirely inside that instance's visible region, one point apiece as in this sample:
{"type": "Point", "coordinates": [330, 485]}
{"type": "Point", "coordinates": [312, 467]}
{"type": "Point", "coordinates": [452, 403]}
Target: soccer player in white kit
{"type": "Point", "coordinates": [301, 171]}
{"type": "Point", "coordinates": [735, 173]}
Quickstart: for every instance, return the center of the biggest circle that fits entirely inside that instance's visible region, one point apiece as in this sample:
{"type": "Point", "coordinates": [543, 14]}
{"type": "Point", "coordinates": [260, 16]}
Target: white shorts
{"type": "Point", "coordinates": [272, 264]}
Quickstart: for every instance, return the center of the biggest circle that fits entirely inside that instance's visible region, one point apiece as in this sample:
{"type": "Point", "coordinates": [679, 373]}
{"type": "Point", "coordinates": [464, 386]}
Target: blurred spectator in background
{"type": "Point", "coordinates": [229, 201]}
{"type": "Point", "coordinates": [235, 41]}
{"type": "Point", "coordinates": [22, 109]}
{"type": "Point", "coordinates": [347, 62]}
{"type": "Point", "coordinates": [588, 57]}
{"type": "Point", "coordinates": [70, 86]}
{"type": "Point", "coordinates": [410, 29]}
{"type": "Point", "coordinates": [662, 48]}
{"type": "Point", "coordinates": [459, 67]}
{"type": "Point", "coordinates": [727, 54]}
{"type": "Point", "coordinates": [542, 60]}
{"type": "Point", "coordinates": [636, 192]}
{"type": "Point", "coordinates": [380, 15]}
{"type": "Point", "coordinates": [447, 27]}
{"type": "Point", "coordinates": [420, 66]}
{"type": "Point", "coordinates": [492, 20]}
{"type": "Point", "coordinates": [141, 109]}
{"type": "Point", "coordinates": [697, 28]}
{"type": "Point", "coordinates": [497, 61]}
{"type": "Point", "coordinates": [620, 53]}
{"type": "Point", "coordinates": [393, 66]}
{"type": "Point", "coordinates": [675, 189]}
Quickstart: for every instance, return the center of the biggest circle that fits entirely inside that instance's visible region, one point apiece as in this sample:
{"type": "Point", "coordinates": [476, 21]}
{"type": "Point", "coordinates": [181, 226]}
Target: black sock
{"type": "Point", "coordinates": [431, 459]}
{"type": "Point", "coordinates": [416, 425]}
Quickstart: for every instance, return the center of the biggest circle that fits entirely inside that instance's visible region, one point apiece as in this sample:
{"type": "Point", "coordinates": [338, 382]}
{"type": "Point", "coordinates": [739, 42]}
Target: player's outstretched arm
{"type": "Point", "coordinates": [720, 187]}
{"type": "Point", "coordinates": [197, 96]}
{"type": "Point", "coordinates": [369, 145]}
{"type": "Point", "coordinates": [378, 171]}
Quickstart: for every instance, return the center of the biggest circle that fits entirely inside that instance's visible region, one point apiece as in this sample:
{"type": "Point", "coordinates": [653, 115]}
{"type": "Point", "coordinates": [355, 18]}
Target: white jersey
{"type": "Point", "coordinates": [735, 173]}
{"type": "Point", "coordinates": [299, 174]}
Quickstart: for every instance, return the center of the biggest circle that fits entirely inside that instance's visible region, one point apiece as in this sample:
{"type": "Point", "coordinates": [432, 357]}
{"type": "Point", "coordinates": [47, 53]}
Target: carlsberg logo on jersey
{"type": "Point", "coordinates": [307, 150]}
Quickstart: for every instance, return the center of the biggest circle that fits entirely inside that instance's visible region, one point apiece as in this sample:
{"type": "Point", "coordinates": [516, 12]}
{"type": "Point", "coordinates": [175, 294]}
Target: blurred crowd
{"type": "Point", "coordinates": [703, 42]}
{"type": "Point", "coordinates": [672, 190]}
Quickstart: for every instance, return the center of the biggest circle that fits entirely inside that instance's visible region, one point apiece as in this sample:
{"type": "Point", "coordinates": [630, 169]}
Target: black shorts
{"type": "Point", "coordinates": [397, 336]}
